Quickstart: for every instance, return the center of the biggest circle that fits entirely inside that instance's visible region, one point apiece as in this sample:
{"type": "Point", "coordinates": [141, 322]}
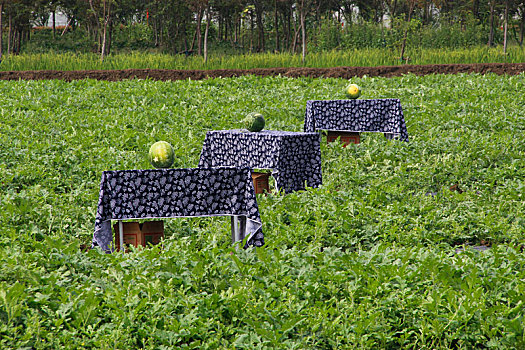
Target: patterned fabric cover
{"type": "Point", "coordinates": [381, 115]}
{"type": "Point", "coordinates": [294, 157]}
{"type": "Point", "coordinates": [166, 193]}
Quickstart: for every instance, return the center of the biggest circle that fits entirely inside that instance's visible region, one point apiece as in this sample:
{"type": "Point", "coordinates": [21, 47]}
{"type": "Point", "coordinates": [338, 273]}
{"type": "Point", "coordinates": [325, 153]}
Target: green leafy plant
{"type": "Point", "coordinates": [380, 256]}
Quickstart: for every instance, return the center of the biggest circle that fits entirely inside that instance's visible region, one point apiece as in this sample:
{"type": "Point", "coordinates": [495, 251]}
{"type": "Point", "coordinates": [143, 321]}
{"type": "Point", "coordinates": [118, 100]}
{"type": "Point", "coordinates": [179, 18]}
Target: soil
{"type": "Point", "coordinates": [336, 72]}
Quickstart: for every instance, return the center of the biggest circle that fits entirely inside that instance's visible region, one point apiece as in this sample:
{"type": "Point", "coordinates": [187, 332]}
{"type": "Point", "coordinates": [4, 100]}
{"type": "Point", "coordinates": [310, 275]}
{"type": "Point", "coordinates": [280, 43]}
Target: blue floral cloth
{"type": "Point", "coordinates": [167, 193]}
{"type": "Point", "coordinates": [379, 115]}
{"type": "Point", "coordinates": [294, 157]}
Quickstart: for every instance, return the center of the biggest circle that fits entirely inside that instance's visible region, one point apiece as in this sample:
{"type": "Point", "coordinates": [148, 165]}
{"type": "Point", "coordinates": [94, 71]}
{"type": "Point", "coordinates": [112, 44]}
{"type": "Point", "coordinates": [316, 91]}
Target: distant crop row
{"type": "Point", "coordinates": [362, 57]}
{"type": "Point", "coordinates": [380, 256]}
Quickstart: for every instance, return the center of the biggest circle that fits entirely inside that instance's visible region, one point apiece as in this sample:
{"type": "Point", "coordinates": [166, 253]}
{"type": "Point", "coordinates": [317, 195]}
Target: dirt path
{"type": "Point", "coordinates": [337, 72]}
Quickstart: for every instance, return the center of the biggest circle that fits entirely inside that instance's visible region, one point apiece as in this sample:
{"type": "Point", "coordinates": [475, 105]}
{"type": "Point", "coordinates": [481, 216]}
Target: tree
{"type": "Point", "coordinates": [492, 15]}
{"type": "Point", "coordinates": [103, 15]}
{"type": "Point", "coordinates": [259, 14]}
{"type": "Point", "coordinates": [19, 16]}
{"type": "Point", "coordinates": [76, 11]}
{"type": "Point", "coordinates": [411, 5]}
{"type": "Point", "coordinates": [521, 15]}
{"type": "Point", "coordinates": [207, 30]}
{"type": "Point", "coordinates": [198, 6]}
{"type": "Point", "coordinates": [514, 19]}
{"type": "Point", "coordinates": [370, 10]}
{"type": "Point", "coordinates": [391, 6]}
{"type": "Point", "coordinates": [276, 25]}
{"type": "Point", "coordinates": [303, 7]}
{"type": "Point", "coordinates": [506, 26]}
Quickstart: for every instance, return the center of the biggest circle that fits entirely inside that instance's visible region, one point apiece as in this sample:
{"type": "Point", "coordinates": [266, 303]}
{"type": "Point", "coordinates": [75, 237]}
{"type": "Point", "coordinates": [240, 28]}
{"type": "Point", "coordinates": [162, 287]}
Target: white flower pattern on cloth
{"type": "Point", "coordinates": [380, 115]}
{"type": "Point", "coordinates": [294, 157]}
{"type": "Point", "coordinates": [167, 193]}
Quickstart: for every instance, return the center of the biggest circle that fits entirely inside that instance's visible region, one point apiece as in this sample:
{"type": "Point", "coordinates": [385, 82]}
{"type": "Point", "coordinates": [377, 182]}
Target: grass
{"type": "Point", "coordinates": [362, 57]}
{"type": "Point", "coordinates": [368, 260]}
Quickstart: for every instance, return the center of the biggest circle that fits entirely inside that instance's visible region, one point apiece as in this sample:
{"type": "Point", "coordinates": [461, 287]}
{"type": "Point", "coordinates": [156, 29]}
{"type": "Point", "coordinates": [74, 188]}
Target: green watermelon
{"type": "Point", "coordinates": [161, 155]}
{"type": "Point", "coordinates": [254, 122]}
{"type": "Point", "coordinates": [353, 91]}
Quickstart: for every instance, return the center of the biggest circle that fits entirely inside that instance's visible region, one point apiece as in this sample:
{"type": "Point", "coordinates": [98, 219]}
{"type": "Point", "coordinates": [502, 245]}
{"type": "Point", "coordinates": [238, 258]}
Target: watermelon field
{"type": "Point", "coordinates": [416, 245]}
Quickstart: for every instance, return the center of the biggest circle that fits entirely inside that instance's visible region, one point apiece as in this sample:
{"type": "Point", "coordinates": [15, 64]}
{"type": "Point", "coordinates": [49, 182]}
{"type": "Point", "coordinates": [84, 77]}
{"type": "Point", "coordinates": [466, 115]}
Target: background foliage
{"type": "Point", "coordinates": [248, 26]}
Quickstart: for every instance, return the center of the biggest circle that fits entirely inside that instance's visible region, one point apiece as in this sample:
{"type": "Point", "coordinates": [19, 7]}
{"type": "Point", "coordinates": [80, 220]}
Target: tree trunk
{"type": "Point", "coordinates": [393, 9]}
{"type": "Point", "coordinates": [236, 31]}
{"type": "Point", "coordinates": [156, 24]}
{"type": "Point", "coordinates": [227, 29]}
{"type": "Point", "coordinates": [206, 33]}
{"type": "Point", "coordinates": [242, 33]}
{"type": "Point", "coordinates": [302, 16]}
{"type": "Point", "coordinates": [293, 30]}
{"type": "Point", "coordinates": [295, 37]}
{"type": "Point", "coordinates": [491, 23]}
{"type": "Point", "coordinates": [161, 32]}
{"type": "Point", "coordinates": [103, 45]}
{"type": "Point", "coordinates": [522, 26]}
{"type": "Point", "coordinates": [184, 36]}
{"type": "Point", "coordinates": [505, 29]}
{"type": "Point", "coordinates": [110, 37]}
{"type": "Point", "coordinates": [318, 17]}
{"type": "Point", "coordinates": [287, 30]}
{"type": "Point", "coordinates": [192, 47]}
{"type": "Point", "coordinates": [231, 29]}
{"type": "Point", "coordinates": [99, 36]}
{"type": "Point", "coordinates": [1, 31]}
{"type": "Point", "coordinates": [276, 27]}
{"type": "Point", "coordinates": [260, 26]}
{"type": "Point", "coordinates": [10, 33]}
{"type": "Point", "coordinates": [198, 31]}
{"type": "Point", "coordinates": [382, 24]}
{"type": "Point", "coordinates": [475, 9]}
{"type": "Point", "coordinates": [405, 35]}
{"type": "Point", "coordinates": [107, 18]}
{"type": "Point", "coordinates": [251, 32]}
{"type": "Point", "coordinates": [18, 41]}
{"type": "Point", "coordinates": [54, 22]}
{"type": "Point", "coordinates": [426, 13]}
{"type": "Point", "coordinates": [220, 27]}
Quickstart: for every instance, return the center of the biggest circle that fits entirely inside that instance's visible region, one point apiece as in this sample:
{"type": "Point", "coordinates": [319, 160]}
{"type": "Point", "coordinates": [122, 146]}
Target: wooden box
{"type": "Point", "coordinates": [135, 234]}
{"type": "Point", "coordinates": [152, 232]}
{"type": "Point", "coordinates": [261, 182]}
{"type": "Point", "coordinates": [346, 137]}
{"type": "Point", "coordinates": [132, 234]}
